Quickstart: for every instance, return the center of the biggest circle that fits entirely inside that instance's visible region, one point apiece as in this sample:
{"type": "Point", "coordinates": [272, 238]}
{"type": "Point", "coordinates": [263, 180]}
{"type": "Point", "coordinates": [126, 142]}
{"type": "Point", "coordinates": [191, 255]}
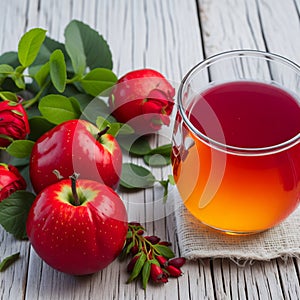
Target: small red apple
{"type": "Point", "coordinates": [75, 146]}
{"type": "Point", "coordinates": [77, 227]}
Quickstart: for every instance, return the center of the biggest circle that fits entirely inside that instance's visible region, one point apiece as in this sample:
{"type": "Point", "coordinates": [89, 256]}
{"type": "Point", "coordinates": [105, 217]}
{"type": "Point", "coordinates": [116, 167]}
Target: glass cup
{"type": "Point", "coordinates": [236, 150]}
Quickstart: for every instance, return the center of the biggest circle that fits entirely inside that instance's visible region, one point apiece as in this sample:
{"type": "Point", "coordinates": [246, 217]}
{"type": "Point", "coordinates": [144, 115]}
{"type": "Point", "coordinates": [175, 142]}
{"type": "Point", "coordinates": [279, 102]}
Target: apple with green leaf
{"type": "Point", "coordinates": [75, 146]}
{"type": "Point", "coordinates": [77, 226]}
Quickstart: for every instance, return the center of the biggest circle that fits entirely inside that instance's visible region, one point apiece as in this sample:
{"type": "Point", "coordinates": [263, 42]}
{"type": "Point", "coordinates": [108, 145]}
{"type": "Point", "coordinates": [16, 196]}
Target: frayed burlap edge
{"type": "Point", "coordinates": [198, 241]}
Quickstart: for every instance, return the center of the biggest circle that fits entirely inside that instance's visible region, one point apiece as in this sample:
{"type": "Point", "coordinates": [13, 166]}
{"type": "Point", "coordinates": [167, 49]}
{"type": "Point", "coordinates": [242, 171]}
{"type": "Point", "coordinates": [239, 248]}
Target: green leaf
{"type": "Point", "coordinates": [6, 69]}
{"type": "Point", "coordinates": [115, 128]}
{"type": "Point", "coordinates": [42, 74]}
{"type": "Point", "coordinates": [164, 251]}
{"type": "Point", "coordinates": [140, 147]}
{"type": "Point", "coordinates": [75, 47]}
{"type": "Point", "coordinates": [85, 99]}
{"type": "Point", "coordinates": [24, 171]}
{"type": "Point", "coordinates": [20, 148]}
{"type": "Point", "coordinates": [129, 247]}
{"type": "Point", "coordinates": [8, 261]}
{"type": "Point", "coordinates": [146, 273]}
{"type": "Point", "coordinates": [102, 123]}
{"type": "Point", "coordinates": [95, 108]}
{"type": "Point", "coordinates": [171, 179]}
{"type": "Point", "coordinates": [137, 267]}
{"type": "Point", "coordinates": [57, 108]}
{"type": "Point", "coordinates": [58, 72]}
{"type": "Point", "coordinates": [134, 176]}
{"type": "Point", "coordinates": [14, 211]}
{"type": "Point", "coordinates": [33, 111]}
{"type": "Point", "coordinates": [38, 126]}
{"type": "Point", "coordinates": [165, 185]}
{"type": "Point", "coordinates": [125, 129]}
{"type": "Point", "coordinates": [159, 157]}
{"type": "Point", "coordinates": [157, 160]}
{"type": "Point", "coordinates": [137, 147]}
{"type": "Point", "coordinates": [98, 81]}
{"type": "Point", "coordinates": [9, 85]}
{"type": "Point", "coordinates": [10, 58]}
{"type": "Point", "coordinates": [48, 47]}
{"type": "Point", "coordinates": [119, 129]}
{"type": "Point", "coordinates": [9, 96]}
{"type": "Point", "coordinates": [86, 47]}
{"type": "Point", "coordinates": [163, 150]}
{"type": "Point", "coordinates": [19, 81]}
{"type": "Point", "coordinates": [19, 162]}
{"type": "Point", "coordinates": [19, 70]}
{"type": "Point", "coordinates": [30, 45]}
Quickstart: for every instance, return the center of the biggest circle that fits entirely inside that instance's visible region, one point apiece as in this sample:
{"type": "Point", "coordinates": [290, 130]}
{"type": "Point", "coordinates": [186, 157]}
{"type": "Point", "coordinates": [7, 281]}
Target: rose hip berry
{"type": "Point", "coordinates": [151, 258]}
{"type": "Point", "coordinates": [143, 99]}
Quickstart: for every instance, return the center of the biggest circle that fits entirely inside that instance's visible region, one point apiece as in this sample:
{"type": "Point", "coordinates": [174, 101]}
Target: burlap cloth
{"type": "Point", "coordinates": [199, 241]}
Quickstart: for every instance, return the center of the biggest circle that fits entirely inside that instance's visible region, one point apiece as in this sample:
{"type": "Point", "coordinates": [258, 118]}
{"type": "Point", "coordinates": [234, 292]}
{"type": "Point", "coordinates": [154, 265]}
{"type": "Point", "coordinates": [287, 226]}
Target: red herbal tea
{"type": "Point", "coordinates": [235, 165]}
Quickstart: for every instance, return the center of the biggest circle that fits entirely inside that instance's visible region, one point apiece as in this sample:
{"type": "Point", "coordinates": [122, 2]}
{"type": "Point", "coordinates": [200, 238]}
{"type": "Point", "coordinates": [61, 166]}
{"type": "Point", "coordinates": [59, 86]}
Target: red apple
{"type": "Point", "coordinates": [77, 238]}
{"type": "Point", "coordinates": [75, 146]}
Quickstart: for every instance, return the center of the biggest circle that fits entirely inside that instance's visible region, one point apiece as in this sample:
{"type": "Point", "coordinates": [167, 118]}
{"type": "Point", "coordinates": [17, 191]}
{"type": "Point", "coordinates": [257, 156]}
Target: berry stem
{"type": "Point", "coordinates": [74, 178]}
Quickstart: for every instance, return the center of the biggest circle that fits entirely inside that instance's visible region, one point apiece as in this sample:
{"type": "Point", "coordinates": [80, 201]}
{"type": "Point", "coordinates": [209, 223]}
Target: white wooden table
{"type": "Point", "coordinates": [169, 36]}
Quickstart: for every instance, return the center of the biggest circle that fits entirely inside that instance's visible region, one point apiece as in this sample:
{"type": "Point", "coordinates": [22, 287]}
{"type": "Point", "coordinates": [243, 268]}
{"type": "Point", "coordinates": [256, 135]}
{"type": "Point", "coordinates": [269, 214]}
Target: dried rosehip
{"type": "Point", "coordinates": [10, 181]}
{"type": "Point", "coordinates": [165, 243]}
{"type": "Point", "coordinates": [140, 232]}
{"type": "Point", "coordinates": [132, 263]}
{"type": "Point", "coordinates": [13, 122]}
{"type": "Point", "coordinates": [162, 260]}
{"type": "Point", "coordinates": [177, 262]}
{"type": "Point", "coordinates": [173, 271]}
{"type": "Point", "coordinates": [143, 99]}
{"type": "Point", "coordinates": [134, 250]}
{"type": "Point", "coordinates": [157, 274]}
{"type": "Point", "coordinates": [153, 239]}
{"type": "Point", "coordinates": [151, 257]}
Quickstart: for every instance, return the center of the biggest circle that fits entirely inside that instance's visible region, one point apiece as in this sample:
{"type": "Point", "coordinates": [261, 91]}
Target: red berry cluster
{"type": "Point", "coordinates": [151, 257]}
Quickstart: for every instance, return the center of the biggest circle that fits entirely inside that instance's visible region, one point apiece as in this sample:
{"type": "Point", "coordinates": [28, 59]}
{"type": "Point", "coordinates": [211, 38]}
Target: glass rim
{"type": "Point", "coordinates": [245, 151]}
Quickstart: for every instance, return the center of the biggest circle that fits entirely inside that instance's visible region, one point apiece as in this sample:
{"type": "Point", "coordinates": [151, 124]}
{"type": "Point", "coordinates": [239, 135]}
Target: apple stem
{"type": "Point", "coordinates": [74, 178]}
{"type": "Point", "coordinates": [102, 132]}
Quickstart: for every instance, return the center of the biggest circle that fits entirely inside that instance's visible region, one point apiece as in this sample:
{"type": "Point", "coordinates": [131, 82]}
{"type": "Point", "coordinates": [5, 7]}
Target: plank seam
{"type": "Point", "coordinates": [201, 33]}
{"type": "Point", "coordinates": [261, 26]}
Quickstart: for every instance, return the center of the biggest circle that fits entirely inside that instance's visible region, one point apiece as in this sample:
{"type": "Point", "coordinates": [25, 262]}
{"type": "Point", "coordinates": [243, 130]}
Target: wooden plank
{"type": "Point", "coordinates": [289, 277]}
{"type": "Point", "coordinates": [263, 25]}
{"type": "Point", "coordinates": [13, 280]}
{"type": "Point", "coordinates": [280, 26]}
{"type": "Point", "coordinates": [163, 35]}
{"type": "Point", "coordinates": [252, 24]}
{"type": "Point", "coordinates": [146, 41]}
{"type": "Point", "coordinates": [229, 25]}
{"type": "Point", "coordinates": [12, 26]}
{"type": "Point", "coordinates": [251, 280]}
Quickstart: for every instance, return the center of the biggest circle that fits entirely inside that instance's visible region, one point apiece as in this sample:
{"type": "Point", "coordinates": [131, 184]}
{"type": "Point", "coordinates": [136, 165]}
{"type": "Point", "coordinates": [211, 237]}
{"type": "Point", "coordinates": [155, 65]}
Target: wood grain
{"type": "Point", "coordinates": [170, 36]}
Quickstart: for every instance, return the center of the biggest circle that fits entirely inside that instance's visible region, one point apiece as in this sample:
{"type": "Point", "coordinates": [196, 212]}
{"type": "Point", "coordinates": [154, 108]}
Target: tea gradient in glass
{"type": "Point", "coordinates": [236, 141]}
